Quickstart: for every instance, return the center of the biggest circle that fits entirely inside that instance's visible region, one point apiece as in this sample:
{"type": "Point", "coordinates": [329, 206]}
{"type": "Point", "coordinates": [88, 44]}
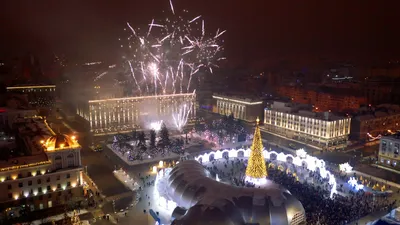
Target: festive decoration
{"type": "Point", "coordinates": [311, 163]}
{"type": "Point", "coordinates": [345, 167]}
{"type": "Point", "coordinates": [354, 184]}
{"type": "Point", "coordinates": [256, 168]}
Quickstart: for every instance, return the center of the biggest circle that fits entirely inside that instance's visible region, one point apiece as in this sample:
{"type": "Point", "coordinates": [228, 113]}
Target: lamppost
{"type": "Point", "coordinates": [113, 204]}
{"type": "Point", "coordinates": [186, 134]}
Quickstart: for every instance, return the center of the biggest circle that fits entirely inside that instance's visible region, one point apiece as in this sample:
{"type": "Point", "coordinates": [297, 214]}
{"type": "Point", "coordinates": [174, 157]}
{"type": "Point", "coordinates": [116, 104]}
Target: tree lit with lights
{"type": "Point", "coordinates": [256, 169]}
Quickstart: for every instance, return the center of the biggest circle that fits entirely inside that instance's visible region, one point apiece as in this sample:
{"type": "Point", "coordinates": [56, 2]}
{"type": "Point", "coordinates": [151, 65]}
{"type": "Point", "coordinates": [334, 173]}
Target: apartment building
{"type": "Point", "coordinates": [295, 121]}
{"type": "Point", "coordinates": [324, 98]}
{"type": "Point", "coordinates": [372, 123]}
{"type": "Point", "coordinates": [389, 147]}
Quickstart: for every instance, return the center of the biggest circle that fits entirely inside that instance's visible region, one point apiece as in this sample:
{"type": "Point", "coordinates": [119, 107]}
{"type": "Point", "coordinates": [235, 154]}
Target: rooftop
{"type": "Point", "coordinates": [247, 100]}
{"type": "Point", "coordinates": [60, 141]}
{"type": "Point", "coordinates": [33, 131]}
{"type": "Point", "coordinates": [303, 110]}
{"type": "Point", "coordinates": [30, 86]}
{"type": "Point", "coordinates": [144, 97]}
{"type": "Point", "coordinates": [24, 162]}
{"type": "Point", "coordinates": [395, 136]}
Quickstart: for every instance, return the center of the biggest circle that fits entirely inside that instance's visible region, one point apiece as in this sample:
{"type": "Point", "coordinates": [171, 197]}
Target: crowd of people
{"type": "Point", "coordinates": [320, 209]}
{"type": "Point", "coordinates": [315, 196]}
{"type": "Point", "coordinates": [138, 149]}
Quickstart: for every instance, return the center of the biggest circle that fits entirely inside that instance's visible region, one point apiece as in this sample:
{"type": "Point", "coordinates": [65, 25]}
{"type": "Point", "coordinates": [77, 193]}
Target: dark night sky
{"type": "Point", "coordinates": [255, 29]}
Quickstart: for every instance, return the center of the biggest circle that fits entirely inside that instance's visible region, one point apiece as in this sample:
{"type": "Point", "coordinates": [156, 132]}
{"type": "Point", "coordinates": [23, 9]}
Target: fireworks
{"type": "Point", "coordinates": [181, 117]}
{"type": "Point", "coordinates": [156, 125]}
{"type": "Point", "coordinates": [170, 53]}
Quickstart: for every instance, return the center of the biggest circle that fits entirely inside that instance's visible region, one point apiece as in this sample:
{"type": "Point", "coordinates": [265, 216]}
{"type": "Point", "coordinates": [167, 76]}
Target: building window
{"type": "Point", "coordinates": [48, 179]}
{"type": "Point", "coordinates": [29, 174]}
{"type": "Point", "coordinates": [68, 184]}
{"type": "Point", "coordinates": [9, 187]}
{"type": "Point", "coordinates": [58, 177]}
{"type": "Point", "coordinates": [19, 175]}
{"type": "Point", "coordinates": [9, 195]}
{"type": "Point", "coordinates": [59, 186]}
{"type": "Point", "coordinates": [20, 185]}
{"type": "Point", "coordinates": [29, 183]}
{"type": "Point", "coordinates": [70, 160]}
{"type": "Point", "coordinates": [384, 144]}
{"type": "Point", "coordinates": [48, 187]}
{"type": "Point", "coordinates": [39, 181]}
{"type": "Point", "coordinates": [68, 175]}
{"type": "Point", "coordinates": [58, 162]}
{"type": "Point", "coordinates": [40, 190]}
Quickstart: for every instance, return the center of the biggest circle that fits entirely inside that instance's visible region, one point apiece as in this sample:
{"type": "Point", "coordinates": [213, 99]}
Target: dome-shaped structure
{"type": "Point", "coordinates": [211, 202]}
{"type": "Point", "coordinates": [60, 141]}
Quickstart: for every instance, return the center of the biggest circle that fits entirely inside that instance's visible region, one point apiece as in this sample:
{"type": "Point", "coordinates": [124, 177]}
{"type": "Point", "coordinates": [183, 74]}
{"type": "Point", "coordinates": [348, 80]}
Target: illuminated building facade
{"type": "Point", "coordinates": [126, 114]}
{"type": "Point", "coordinates": [241, 108]}
{"type": "Point", "coordinates": [48, 175]}
{"type": "Point", "coordinates": [320, 129]}
{"type": "Point", "coordinates": [389, 148]}
{"type": "Point", "coordinates": [38, 95]}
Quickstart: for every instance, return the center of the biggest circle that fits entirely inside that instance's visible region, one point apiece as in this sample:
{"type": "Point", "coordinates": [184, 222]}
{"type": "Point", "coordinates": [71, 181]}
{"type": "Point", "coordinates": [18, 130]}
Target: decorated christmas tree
{"type": "Point", "coordinates": [256, 169]}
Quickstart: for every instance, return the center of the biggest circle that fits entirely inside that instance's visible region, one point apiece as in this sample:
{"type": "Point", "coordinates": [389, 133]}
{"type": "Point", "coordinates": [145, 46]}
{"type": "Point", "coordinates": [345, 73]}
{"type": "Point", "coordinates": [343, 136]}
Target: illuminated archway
{"type": "Point", "coordinates": [279, 159]}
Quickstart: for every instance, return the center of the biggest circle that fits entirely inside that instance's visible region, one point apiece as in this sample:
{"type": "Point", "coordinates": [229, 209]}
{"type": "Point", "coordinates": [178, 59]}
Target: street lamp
{"type": "Point", "coordinates": [113, 204]}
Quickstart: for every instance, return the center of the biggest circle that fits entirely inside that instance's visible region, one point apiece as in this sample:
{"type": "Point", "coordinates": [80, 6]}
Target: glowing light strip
{"type": "Point", "coordinates": [26, 87]}
{"type": "Point", "coordinates": [312, 162]}
{"type": "Point", "coordinates": [25, 166]}
{"type": "Point", "coordinates": [144, 97]}
{"type": "Point", "coordinates": [372, 138]}
{"type": "Point", "coordinates": [237, 101]}
{"type": "Point", "coordinates": [49, 128]}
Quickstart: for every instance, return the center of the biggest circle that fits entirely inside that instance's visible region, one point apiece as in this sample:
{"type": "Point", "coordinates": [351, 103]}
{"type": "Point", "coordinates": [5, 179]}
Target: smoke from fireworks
{"type": "Point", "coordinates": [167, 56]}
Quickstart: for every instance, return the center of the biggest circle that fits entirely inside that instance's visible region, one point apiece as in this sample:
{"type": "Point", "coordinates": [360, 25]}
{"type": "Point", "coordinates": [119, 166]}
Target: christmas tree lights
{"type": "Point", "coordinates": [256, 170]}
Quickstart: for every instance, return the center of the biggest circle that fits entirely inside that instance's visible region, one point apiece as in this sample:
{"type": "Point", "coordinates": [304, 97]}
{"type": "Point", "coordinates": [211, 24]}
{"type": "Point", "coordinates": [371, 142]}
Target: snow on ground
{"type": "Point", "coordinates": [128, 181]}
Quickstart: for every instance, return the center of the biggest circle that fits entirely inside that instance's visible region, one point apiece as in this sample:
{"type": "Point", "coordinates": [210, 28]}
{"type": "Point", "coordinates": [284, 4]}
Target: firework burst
{"type": "Point", "coordinates": [165, 57]}
{"type": "Point", "coordinates": [180, 118]}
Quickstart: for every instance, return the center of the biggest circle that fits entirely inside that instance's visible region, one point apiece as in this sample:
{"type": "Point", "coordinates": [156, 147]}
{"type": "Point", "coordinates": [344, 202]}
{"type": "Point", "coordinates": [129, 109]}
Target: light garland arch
{"type": "Point", "coordinates": [301, 159]}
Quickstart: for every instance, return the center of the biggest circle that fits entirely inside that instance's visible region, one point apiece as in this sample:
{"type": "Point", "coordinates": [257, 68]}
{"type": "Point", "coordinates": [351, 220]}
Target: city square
{"type": "Point", "coordinates": [199, 112]}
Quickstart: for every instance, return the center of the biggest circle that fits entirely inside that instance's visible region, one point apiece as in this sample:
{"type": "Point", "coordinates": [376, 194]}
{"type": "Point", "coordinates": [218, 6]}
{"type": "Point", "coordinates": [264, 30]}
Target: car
{"type": "Point", "coordinates": [97, 148]}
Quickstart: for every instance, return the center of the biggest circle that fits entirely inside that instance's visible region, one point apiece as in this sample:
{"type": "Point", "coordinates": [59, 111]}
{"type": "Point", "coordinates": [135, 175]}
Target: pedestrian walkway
{"type": "Point", "coordinates": [119, 196]}
{"type": "Point", "coordinates": [386, 168]}
{"type": "Point", "coordinates": [60, 216]}
{"type": "Point", "coordinates": [92, 185]}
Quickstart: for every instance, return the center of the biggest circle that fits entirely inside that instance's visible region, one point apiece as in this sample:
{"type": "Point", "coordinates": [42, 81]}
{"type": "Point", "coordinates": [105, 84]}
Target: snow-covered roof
{"type": "Point", "coordinates": [193, 185]}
